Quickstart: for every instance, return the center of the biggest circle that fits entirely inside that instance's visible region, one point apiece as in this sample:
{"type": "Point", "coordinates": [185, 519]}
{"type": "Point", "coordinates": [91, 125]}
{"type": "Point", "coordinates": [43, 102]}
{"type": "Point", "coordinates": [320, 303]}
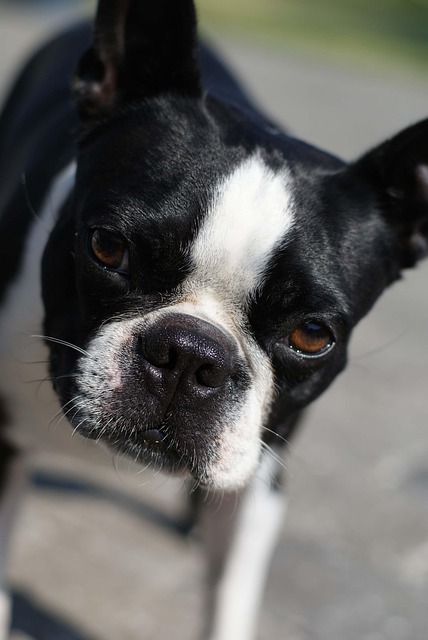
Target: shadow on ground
{"type": "Point", "coordinates": [36, 620]}
{"type": "Point", "coordinates": [31, 618]}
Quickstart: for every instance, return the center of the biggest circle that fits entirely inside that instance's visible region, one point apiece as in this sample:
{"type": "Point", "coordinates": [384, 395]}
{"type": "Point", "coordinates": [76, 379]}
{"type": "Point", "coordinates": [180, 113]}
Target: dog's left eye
{"type": "Point", "coordinates": [110, 250]}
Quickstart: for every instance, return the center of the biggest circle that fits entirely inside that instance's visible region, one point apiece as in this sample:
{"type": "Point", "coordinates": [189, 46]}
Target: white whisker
{"type": "Point", "coordinates": [62, 342]}
{"type": "Point", "coordinates": [277, 435]}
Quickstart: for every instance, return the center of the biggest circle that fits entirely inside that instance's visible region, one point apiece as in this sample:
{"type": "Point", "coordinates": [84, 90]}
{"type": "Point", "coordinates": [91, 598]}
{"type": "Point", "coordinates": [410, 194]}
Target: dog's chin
{"type": "Point", "coordinates": [154, 455]}
{"type": "Point", "coordinates": [151, 450]}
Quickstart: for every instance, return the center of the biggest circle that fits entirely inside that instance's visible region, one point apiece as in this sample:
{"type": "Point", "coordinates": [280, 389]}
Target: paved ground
{"type": "Point", "coordinates": [96, 560]}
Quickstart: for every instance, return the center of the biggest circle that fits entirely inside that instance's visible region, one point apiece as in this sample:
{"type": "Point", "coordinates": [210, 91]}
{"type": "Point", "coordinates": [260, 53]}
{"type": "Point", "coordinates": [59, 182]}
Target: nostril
{"type": "Point", "coordinates": [159, 353]}
{"type": "Point", "coordinates": [209, 375]}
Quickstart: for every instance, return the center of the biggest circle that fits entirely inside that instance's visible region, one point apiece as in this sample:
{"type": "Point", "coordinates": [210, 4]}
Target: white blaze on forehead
{"type": "Point", "coordinates": [250, 216]}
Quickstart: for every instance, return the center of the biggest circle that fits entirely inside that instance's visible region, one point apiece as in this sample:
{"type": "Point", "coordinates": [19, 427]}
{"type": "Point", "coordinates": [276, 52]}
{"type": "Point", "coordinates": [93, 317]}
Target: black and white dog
{"type": "Point", "coordinates": [194, 273]}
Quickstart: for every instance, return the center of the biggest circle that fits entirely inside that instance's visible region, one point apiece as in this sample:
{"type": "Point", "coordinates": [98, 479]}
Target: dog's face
{"type": "Point", "coordinates": [209, 269]}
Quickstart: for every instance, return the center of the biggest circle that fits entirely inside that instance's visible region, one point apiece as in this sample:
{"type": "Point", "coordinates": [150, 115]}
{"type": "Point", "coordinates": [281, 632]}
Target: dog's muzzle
{"type": "Point", "coordinates": [177, 390]}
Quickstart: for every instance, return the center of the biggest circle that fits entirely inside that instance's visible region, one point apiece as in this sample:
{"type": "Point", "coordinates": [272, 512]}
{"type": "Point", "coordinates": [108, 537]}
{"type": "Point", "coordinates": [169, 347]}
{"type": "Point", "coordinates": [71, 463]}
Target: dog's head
{"type": "Point", "coordinates": [209, 269]}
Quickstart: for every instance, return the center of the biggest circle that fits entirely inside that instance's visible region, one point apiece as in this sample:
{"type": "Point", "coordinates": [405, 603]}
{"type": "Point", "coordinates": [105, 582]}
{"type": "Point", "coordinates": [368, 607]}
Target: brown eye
{"type": "Point", "coordinates": [110, 249]}
{"type": "Point", "coordinates": [311, 339]}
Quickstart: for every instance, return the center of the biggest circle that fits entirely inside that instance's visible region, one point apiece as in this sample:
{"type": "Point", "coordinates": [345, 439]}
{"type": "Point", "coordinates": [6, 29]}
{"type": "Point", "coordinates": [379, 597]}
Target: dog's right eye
{"type": "Point", "coordinates": [311, 339]}
{"type": "Point", "coordinates": [110, 250]}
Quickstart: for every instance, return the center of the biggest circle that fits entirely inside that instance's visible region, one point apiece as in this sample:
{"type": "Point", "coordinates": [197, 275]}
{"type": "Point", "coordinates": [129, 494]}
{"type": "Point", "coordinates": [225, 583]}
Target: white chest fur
{"type": "Point", "coordinates": [30, 403]}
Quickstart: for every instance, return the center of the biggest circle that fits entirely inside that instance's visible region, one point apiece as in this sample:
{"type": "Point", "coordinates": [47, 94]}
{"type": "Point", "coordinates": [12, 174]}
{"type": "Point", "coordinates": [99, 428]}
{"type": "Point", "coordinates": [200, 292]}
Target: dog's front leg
{"type": "Point", "coordinates": [240, 531]}
{"type": "Point", "coordinates": [12, 483]}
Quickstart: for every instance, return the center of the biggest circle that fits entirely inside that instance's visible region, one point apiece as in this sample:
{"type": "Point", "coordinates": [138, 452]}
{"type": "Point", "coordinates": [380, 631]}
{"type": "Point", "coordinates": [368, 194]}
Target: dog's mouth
{"type": "Point", "coordinates": [215, 452]}
{"type": "Point", "coordinates": [153, 436]}
{"type": "Point", "coordinates": [161, 449]}
{"type": "Point", "coordinates": [171, 445]}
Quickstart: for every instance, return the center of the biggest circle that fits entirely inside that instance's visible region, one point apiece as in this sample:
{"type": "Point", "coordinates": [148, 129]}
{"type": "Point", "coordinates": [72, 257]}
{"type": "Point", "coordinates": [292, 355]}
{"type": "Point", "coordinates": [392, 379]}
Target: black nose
{"type": "Point", "coordinates": [187, 353]}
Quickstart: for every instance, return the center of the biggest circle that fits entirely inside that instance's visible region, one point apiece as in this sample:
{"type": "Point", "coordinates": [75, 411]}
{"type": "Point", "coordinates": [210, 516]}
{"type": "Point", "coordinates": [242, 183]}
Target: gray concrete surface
{"type": "Point", "coordinates": [92, 563]}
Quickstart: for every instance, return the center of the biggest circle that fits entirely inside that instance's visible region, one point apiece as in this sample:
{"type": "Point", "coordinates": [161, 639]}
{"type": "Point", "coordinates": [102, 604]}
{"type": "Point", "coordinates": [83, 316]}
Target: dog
{"type": "Point", "coordinates": [193, 272]}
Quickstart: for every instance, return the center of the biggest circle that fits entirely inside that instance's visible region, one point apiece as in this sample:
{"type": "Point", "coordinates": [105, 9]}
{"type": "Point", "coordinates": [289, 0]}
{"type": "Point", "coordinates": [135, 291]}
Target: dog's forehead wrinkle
{"type": "Point", "coordinates": [250, 215]}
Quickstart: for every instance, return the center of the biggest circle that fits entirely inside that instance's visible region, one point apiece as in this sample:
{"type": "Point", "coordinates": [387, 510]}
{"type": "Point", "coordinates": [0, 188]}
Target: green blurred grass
{"type": "Point", "coordinates": [370, 31]}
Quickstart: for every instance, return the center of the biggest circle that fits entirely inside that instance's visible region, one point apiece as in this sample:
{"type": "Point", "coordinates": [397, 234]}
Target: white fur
{"type": "Point", "coordinates": [250, 217]}
{"type": "Point", "coordinates": [20, 319]}
{"type": "Point", "coordinates": [11, 492]}
{"type": "Point", "coordinates": [240, 590]}
{"type": "Point", "coordinates": [4, 615]}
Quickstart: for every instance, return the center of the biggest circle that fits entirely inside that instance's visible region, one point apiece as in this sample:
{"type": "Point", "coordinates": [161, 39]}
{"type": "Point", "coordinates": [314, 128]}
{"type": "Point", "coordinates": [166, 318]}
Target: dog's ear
{"type": "Point", "coordinates": [140, 48]}
{"type": "Point", "coordinates": [398, 170]}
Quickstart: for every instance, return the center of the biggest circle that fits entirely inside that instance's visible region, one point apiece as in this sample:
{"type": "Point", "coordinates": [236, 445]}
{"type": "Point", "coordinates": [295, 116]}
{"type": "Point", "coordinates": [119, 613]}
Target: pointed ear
{"type": "Point", "coordinates": [398, 170]}
{"type": "Point", "coordinates": [140, 48]}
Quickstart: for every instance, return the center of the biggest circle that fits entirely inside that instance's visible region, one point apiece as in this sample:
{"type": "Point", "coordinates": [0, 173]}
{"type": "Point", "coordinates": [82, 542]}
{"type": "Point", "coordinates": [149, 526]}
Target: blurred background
{"type": "Point", "coordinates": [389, 31]}
{"type": "Point", "coordinates": [100, 554]}
{"type": "Point", "coordinates": [386, 32]}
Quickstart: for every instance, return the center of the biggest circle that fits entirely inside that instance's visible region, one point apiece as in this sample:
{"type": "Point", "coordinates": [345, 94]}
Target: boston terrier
{"type": "Point", "coordinates": [190, 274]}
